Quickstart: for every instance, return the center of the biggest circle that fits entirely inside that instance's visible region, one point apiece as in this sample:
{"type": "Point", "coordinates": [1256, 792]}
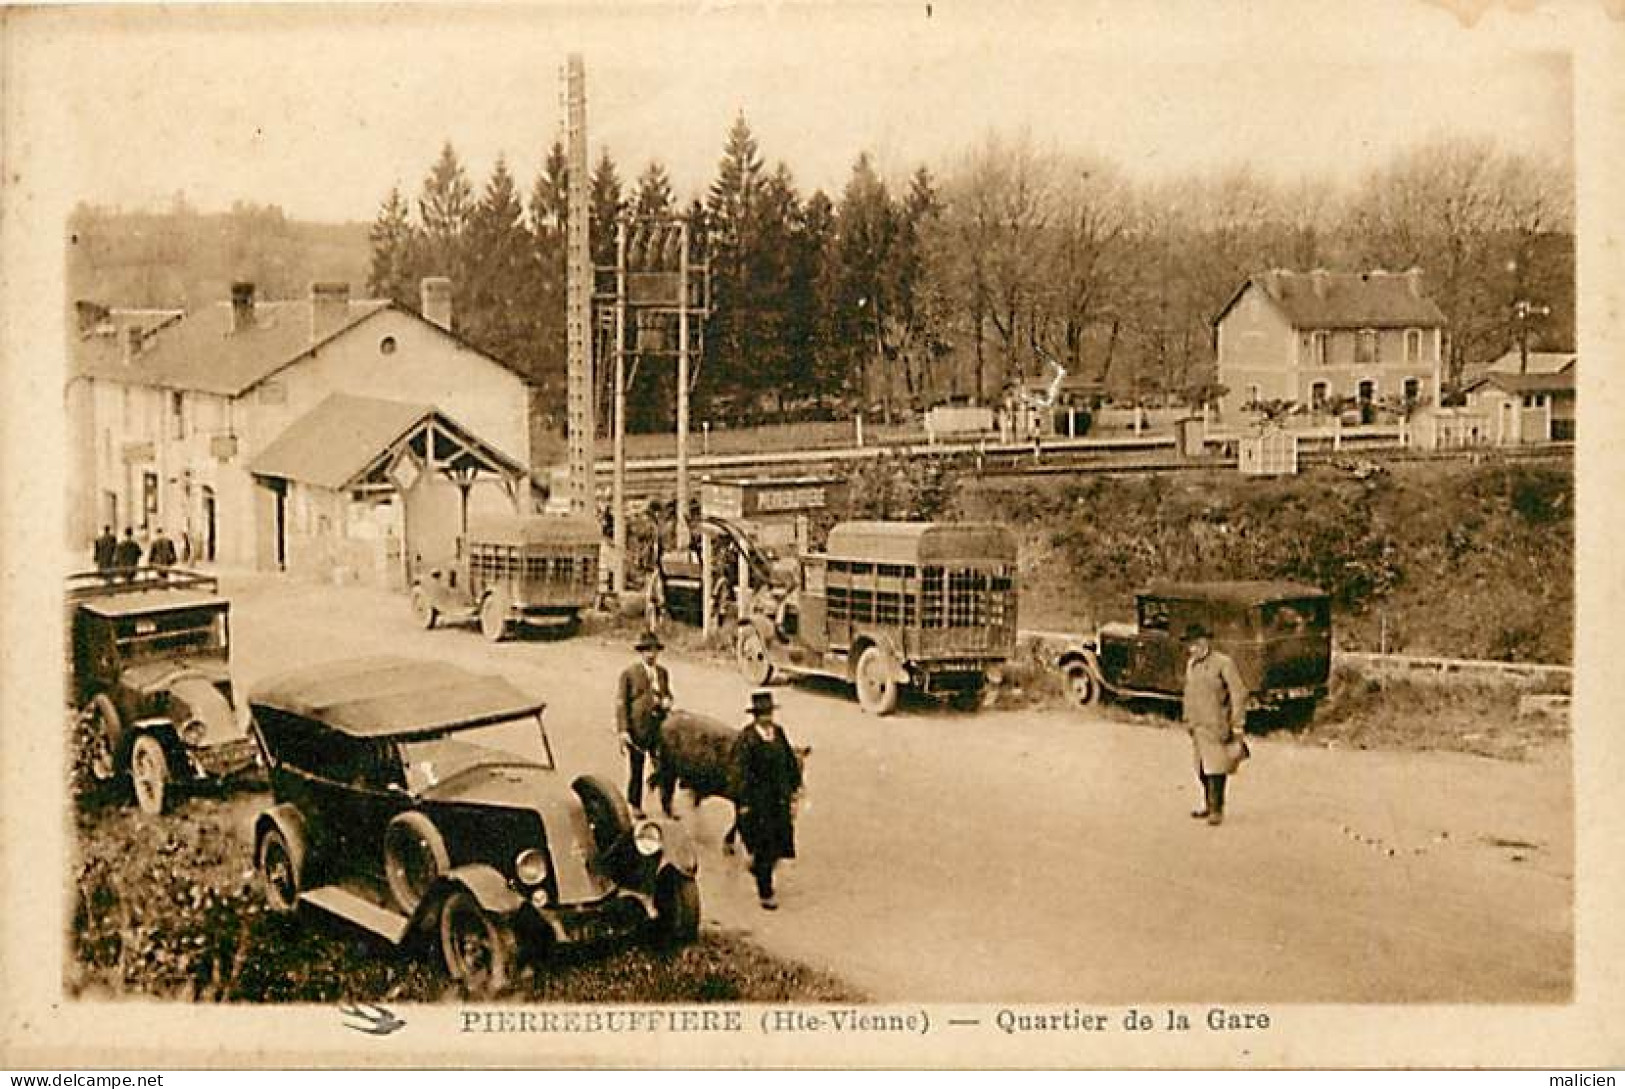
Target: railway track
{"type": "Point", "coordinates": [655, 477]}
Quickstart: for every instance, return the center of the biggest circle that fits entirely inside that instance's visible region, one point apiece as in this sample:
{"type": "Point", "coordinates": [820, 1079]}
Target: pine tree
{"type": "Point", "coordinates": [395, 246]}
{"type": "Point", "coordinates": [654, 197]}
{"type": "Point", "coordinates": [444, 208]}
{"type": "Point", "coordinates": [606, 203]}
{"type": "Point", "coordinates": [498, 254]}
{"type": "Point", "coordinates": [865, 229]}
{"type": "Point", "coordinates": [731, 232]}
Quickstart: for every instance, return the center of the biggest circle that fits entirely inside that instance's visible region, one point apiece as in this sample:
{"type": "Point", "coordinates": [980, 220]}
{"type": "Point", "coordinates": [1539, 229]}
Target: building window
{"type": "Point", "coordinates": [1255, 394]}
{"type": "Point", "coordinates": [1365, 346]}
{"type": "Point", "coordinates": [387, 346]}
{"type": "Point", "coordinates": [1413, 390]}
{"type": "Point", "coordinates": [1318, 348]}
{"type": "Point", "coordinates": [1368, 391]}
{"type": "Point", "coordinates": [1317, 395]}
{"type": "Point", "coordinates": [177, 415]}
{"type": "Point", "coordinates": [1413, 345]}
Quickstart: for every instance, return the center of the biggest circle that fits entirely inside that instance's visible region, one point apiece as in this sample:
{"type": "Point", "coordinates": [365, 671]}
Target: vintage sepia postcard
{"type": "Point", "coordinates": [895, 534]}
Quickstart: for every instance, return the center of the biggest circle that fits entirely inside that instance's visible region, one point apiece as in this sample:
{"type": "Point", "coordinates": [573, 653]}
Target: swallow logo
{"type": "Point", "coordinates": [375, 1020]}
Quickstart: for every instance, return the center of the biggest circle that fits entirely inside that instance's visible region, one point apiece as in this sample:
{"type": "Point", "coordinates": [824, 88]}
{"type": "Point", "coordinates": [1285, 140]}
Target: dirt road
{"type": "Point", "coordinates": [1027, 857]}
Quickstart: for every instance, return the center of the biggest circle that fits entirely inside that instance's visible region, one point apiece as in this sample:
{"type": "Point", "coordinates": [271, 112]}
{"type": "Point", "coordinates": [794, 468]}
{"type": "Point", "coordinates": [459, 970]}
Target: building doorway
{"type": "Point", "coordinates": [207, 550]}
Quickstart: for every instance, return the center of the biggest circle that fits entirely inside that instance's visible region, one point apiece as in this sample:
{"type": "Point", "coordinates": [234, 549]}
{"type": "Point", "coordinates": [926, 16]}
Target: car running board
{"type": "Point", "coordinates": [340, 901]}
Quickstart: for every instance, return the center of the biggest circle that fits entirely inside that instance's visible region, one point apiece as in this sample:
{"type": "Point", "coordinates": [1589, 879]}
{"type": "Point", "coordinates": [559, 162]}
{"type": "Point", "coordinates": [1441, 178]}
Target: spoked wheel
{"type": "Point", "coordinates": [149, 774]}
{"type": "Point", "coordinates": [279, 872]}
{"type": "Point", "coordinates": [479, 948]}
{"type": "Point", "coordinates": [754, 664]}
{"type": "Point", "coordinates": [494, 616]}
{"type": "Point", "coordinates": [415, 857]}
{"type": "Point", "coordinates": [423, 611]}
{"type": "Point", "coordinates": [877, 682]}
{"type": "Point", "coordinates": [1081, 686]}
{"type": "Point", "coordinates": [103, 726]}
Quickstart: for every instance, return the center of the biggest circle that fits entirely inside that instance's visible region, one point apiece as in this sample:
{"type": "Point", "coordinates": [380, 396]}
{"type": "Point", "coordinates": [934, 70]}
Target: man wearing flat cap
{"type": "Point", "coordinates": [766, 773]}
{"type": "Point", "coordinates": [1215, 711]}
{"type": "Point", "coordinates": [642, 700]}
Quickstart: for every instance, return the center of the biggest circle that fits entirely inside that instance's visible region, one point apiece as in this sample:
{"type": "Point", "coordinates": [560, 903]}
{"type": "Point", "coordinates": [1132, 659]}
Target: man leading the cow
{"type": "Point", "coordinates": [642, 700]}
{"type": "Point", "coordinates": [767, 774]}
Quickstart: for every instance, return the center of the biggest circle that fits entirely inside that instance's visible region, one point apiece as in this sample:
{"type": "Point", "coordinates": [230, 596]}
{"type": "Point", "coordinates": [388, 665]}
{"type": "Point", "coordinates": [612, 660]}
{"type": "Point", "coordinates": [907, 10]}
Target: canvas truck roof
{"type": "Point", "coordinates": [1235, 591]}
{"type": "Point", "coordinates": [392, 696]}
{"type": "Point", "coordinates": [539, 529]}
{"type": "Point", "coordinates": [921, 542]}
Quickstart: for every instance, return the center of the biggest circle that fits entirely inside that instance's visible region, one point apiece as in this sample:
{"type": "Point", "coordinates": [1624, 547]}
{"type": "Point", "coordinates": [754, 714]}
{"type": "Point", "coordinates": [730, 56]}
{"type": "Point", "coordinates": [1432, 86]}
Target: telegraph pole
{"type": "Point", "coordinates": [682, 387]}
{"type": "Point", "coordinates": [618, 499]}
{"type": "Point", "coordinates": [580, 424]}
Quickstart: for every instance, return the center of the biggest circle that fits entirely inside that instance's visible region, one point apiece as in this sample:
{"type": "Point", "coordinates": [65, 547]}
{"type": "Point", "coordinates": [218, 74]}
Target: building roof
{"type": "Point", "coordinates": [393, 696]}
{"type": "Point", "coordinates": [200, 351]}
{"type": "Point", "coordinates": [335, 441]}
{"type": "Point", "coordinates": [1539, 362]}
{"type": "Point", "coordinates": [1519, 384]}
{"type": "Point", "coordinates": [1344, 300]}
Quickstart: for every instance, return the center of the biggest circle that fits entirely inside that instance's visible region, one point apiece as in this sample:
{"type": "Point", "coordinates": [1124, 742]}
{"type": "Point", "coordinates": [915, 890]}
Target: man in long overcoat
{"type": "Point", "coordinates": [766, 775]}
{"type": "Point", "coordinates": [642, 699]}
{"type": "Point", "coordinates": [1215, 710]}
{"type": "Point", "coordinates": [105, 549]}
{"type": "Point", "coordinates": [127, 556]}
{"type": "Point", "coordinates": [162, 551]}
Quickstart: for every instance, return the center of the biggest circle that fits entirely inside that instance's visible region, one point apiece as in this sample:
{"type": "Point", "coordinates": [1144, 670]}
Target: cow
{"type": "Point", "coordinates": [695, 752]}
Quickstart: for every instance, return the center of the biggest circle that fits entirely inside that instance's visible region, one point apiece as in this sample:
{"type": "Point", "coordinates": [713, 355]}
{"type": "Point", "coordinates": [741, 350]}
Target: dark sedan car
{"type": "Point", "coordinates": [1278, 633]}
{"type": "Point", "coordinates": [415, 798]}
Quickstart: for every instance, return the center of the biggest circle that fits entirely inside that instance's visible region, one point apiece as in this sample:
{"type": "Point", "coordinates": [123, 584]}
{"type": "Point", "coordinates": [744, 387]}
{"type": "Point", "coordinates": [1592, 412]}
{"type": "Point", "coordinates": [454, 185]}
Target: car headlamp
{"type": "Point", "coordinates": [530, 866]}
{"type": "Point", "coordinates": [194, 732]}
{"type": "Point", "coordinates": [648, 838]}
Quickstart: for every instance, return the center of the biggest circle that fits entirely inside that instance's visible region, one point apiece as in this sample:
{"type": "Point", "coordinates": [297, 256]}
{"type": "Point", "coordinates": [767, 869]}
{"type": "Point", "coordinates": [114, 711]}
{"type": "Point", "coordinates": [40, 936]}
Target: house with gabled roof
{"type": "Point", "coordinates": [325, 434]}
{"type": "Point", "coordinates": [1320, 338]}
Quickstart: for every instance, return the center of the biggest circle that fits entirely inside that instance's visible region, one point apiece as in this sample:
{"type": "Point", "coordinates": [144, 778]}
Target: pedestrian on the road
{"type": "Point", "coordinates": [127, 556]}
{"type": "Point", "coordinates": [642, 700]}
{"type": "Point", "coordinates": [105, 550]}
{"type": "Point", "coordinates": [1215, 710]}
{"type": "Point", "coordinates": [766, 775]}
{"type": "Point", "coordinates": [162, 552]}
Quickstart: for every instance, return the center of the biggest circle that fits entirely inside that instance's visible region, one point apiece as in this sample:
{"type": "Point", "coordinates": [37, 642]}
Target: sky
{"type": "Point", "coordinates": [320, 109]}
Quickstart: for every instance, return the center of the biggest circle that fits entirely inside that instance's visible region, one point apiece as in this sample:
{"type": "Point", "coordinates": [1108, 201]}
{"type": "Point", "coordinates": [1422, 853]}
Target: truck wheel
{"type": "Point", "coordinates": [103, 742]}
{"type": "Point", "coordinates": [876, 682]}
{"type": "Point", "coordinates": [281, 871]}
{"type": "Point", "coordinates": [415, 857]}
{"type": "Point", "coordinates": [149, 774]}
{"type": "Point", "coordinates": [494, 616]}
{"type": "Point", "coordinates": [1081, 687]}
{"type": "Point", "coordinates": [479, 947]}
{"type": "Point", "coordinates": [754, 664]}
{"type": "Point", "coordinates": [677, 909]}
{"type": "Point", "coordinates": [967, 699]}
{"type": "Point", "coordinates": [422, 611]}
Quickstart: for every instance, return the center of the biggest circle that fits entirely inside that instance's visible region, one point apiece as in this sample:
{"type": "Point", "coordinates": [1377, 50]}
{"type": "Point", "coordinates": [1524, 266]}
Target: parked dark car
{"type": "Point", "coordinates": [416, 799]}
{"type": "Point", "coordinates": [1278, 633]}
{"type": "Point", "coordinates": [149, 676]}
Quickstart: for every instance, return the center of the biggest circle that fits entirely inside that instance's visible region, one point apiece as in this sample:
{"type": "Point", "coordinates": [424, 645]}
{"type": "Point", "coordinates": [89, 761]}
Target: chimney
{"type": "Point", "coordinates": [1317, 279]}
{"type": "Point", "coordinates": [134, 338]}
{"type": "Point", "coordinates": [436, 292]}
{"type": "Point", "coordinates": [242, 306]}
{"type": "Point", "coordinates": [329, 308]}
{"type": "Point", "coordinates": [1413, 281]}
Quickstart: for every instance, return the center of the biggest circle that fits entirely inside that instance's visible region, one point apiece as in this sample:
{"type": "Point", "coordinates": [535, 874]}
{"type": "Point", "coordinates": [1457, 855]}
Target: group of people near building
{"type": "Point", "coordinates": [764, 772]}
{"type": "Point", "coordinates": [122, 556]}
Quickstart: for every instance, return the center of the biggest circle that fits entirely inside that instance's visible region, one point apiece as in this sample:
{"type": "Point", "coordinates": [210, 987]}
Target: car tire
{"type": "Point", "coordinates": [1082, 686]}
{"type": "Point", "coordinates": [607, 814]}
{"type": "Point", "coordinates": [106, 731]}
{"type": "Point", "coordinates": [479, 948]}
{"type": "Point", "coordinates": [876, 681]}
{"type": "Point", "coordinates": [415, 857]}
{"type": "Point", "coordinates": [149, 775]}
{"type": "Point", "coordinates": [677, 909]}
{"type": "Point", "coordinates": [422, 611]}
{"type": "Point", "coordinates": [751, 653]}
{"type": "Point", "coordinates": [494, 616]}
{"type": "Point", "coordinates": [968, 699]}
{"type": "Point", "coordinates": [281, 870]}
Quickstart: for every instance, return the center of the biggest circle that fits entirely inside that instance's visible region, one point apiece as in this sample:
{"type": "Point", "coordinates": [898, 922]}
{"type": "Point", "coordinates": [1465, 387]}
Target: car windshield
{"type": "Point", "coordinates": [190, 631]}
{"type": "Point", "coordinates": [1293, 617]}
{"type": "Point", "coordinates": [434, 759]}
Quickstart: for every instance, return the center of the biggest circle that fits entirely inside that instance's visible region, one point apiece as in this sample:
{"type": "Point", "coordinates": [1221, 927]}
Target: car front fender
{"type": "Point", "coordinates": [677, 849]}
{"type": "Point", "coordinates": [286, 819]}
{"type": "Point", "coordinates": [484, 882]}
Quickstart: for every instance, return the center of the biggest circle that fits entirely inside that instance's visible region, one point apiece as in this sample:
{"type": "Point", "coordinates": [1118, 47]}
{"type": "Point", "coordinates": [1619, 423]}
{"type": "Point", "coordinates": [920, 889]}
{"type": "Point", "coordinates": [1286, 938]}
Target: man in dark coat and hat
{"type": "Point", "coordinates": [1215, 712]}
{"type": "Point", "coordinates": [106, 548]}
{"type": "Point", "coordinates": [642, 700]}
{"type": "Point", "coordinates": [766, 776]}
{"type": "Point", "coordinates": [162, 551]}
{"type": "Point", "coordinates": [127, 556]}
